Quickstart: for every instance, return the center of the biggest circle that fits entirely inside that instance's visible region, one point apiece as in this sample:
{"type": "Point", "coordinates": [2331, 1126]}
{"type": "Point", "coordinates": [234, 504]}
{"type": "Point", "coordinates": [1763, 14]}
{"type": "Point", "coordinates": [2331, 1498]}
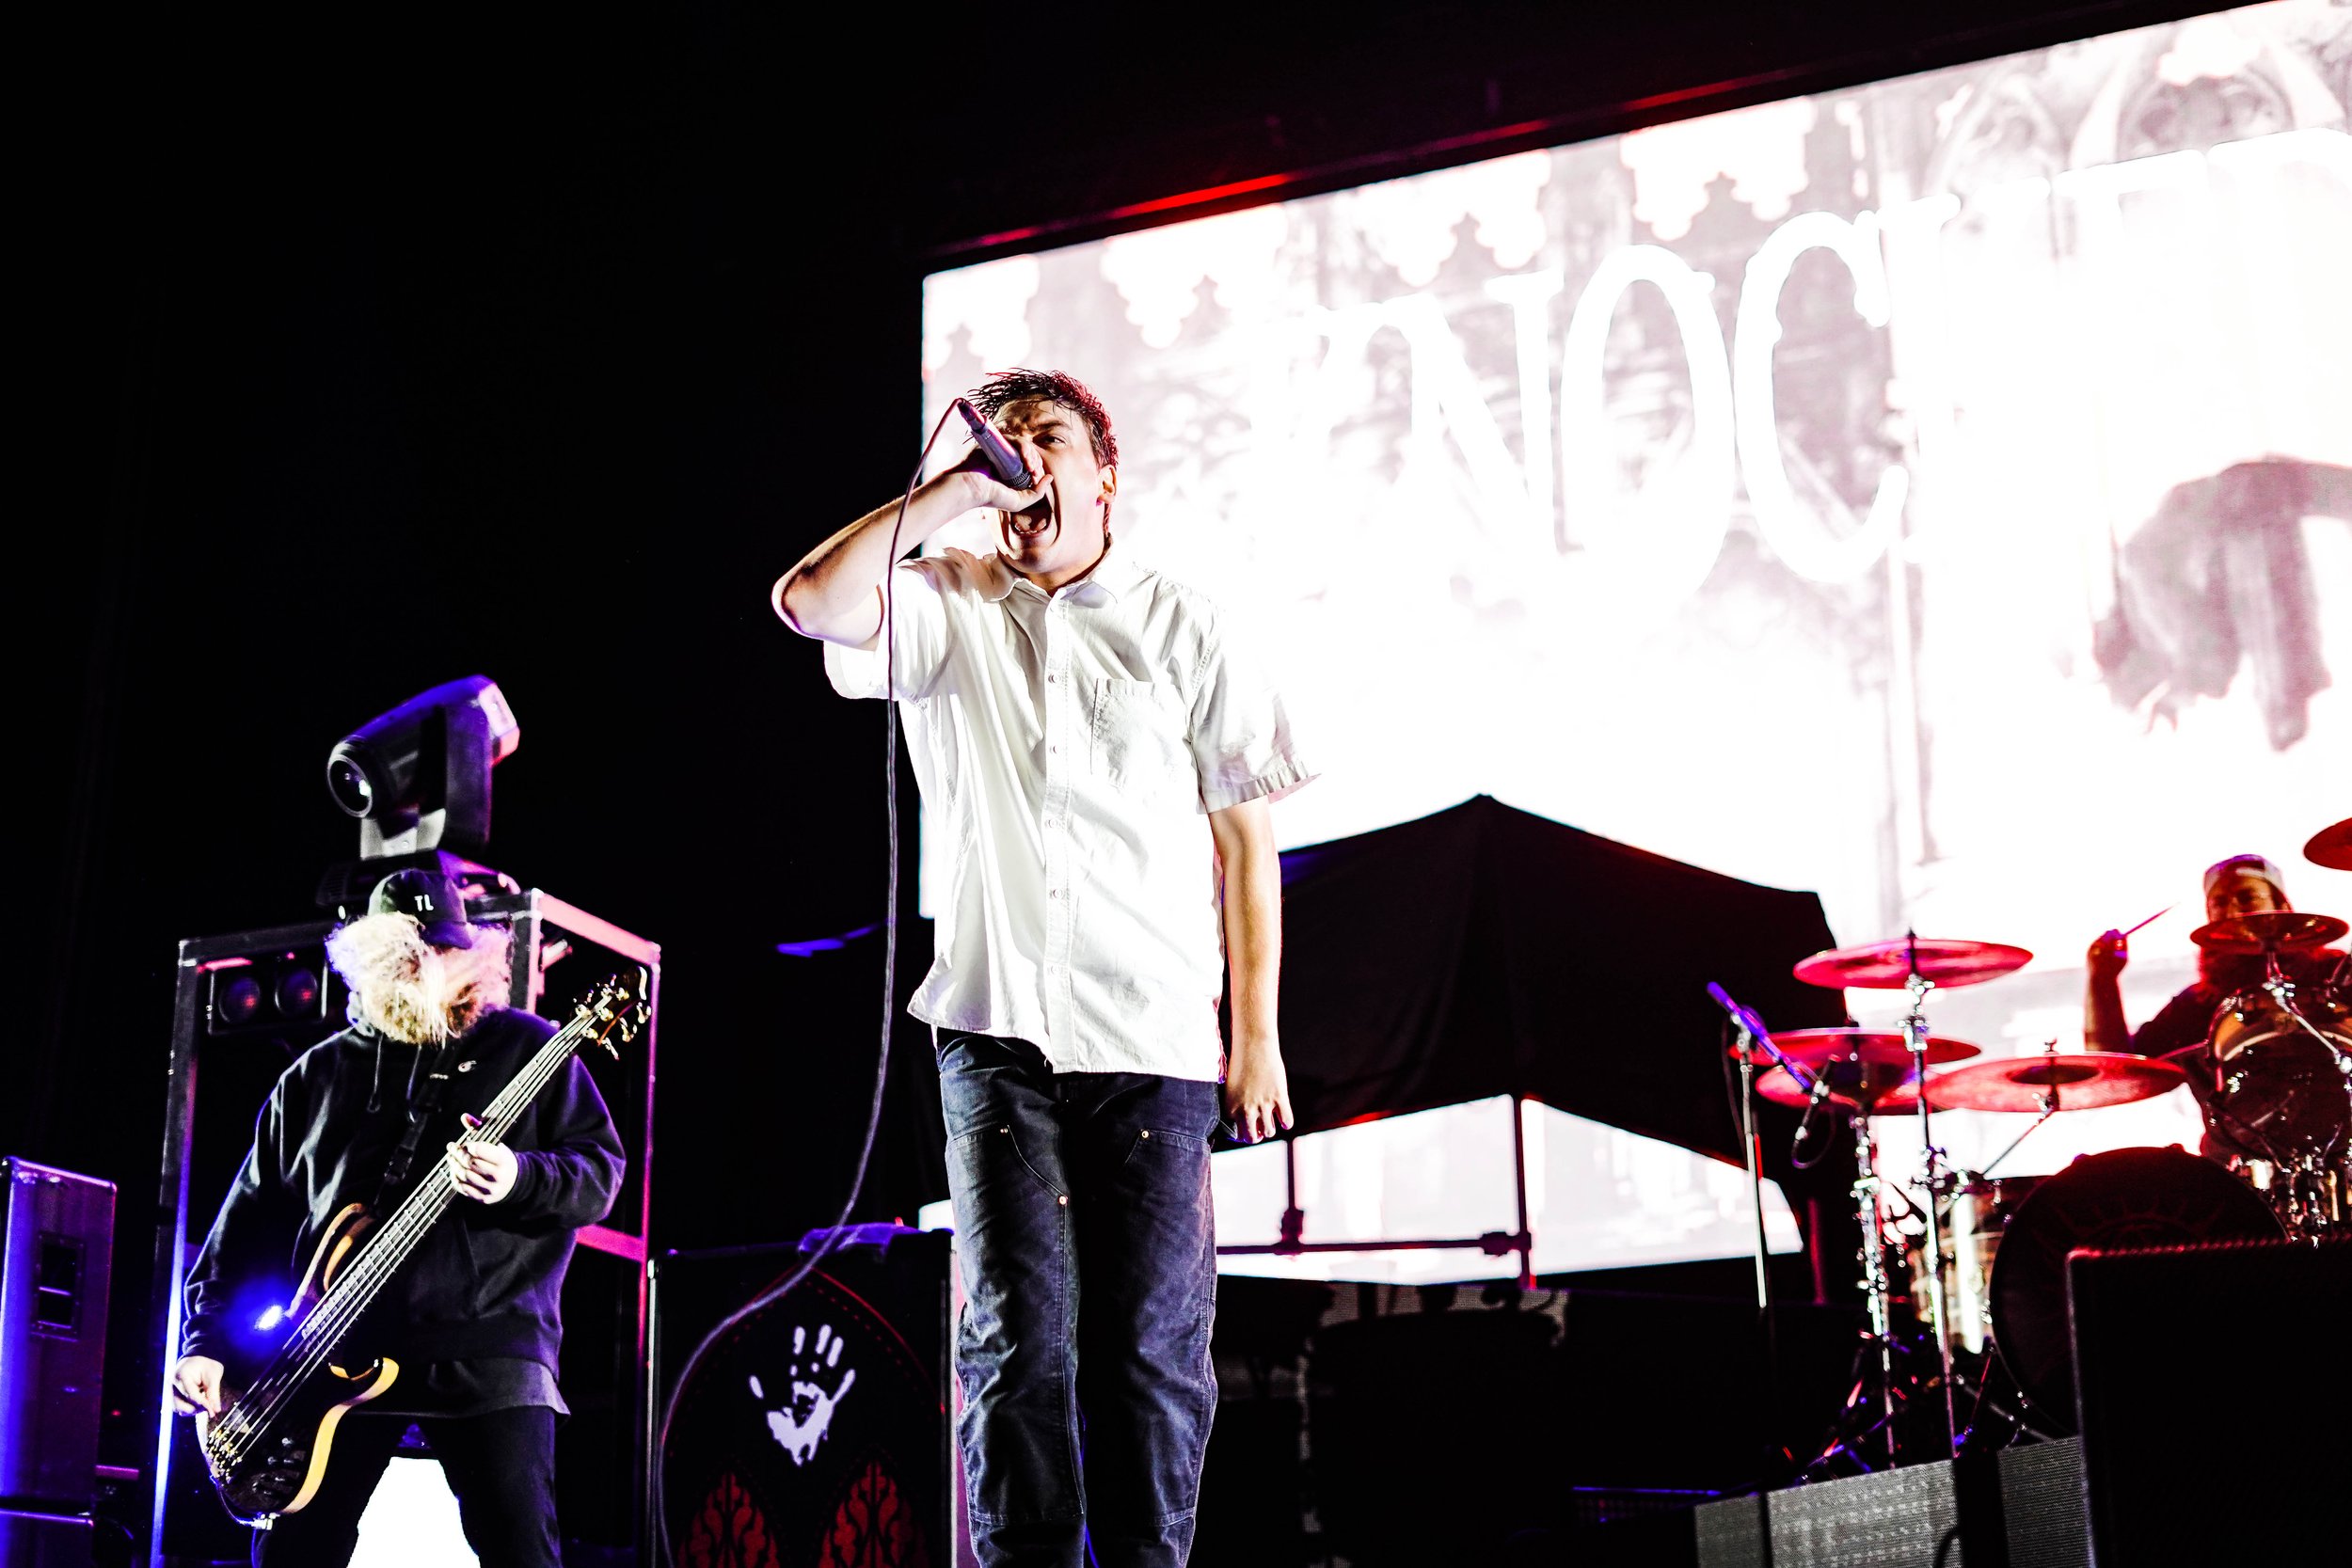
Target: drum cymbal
{"type": "Point", "coordinates": [2081, 1080]}
{"type": "Point", "coordinates": [1860, 1085]}
{"type": "Point", "coordinates": [1864, 1068]}
{"type": "Point", "coordinates": [1879, 1048]}
{"type": "Point", "coordinates": [1887, 965]}
{"type": "Point", "coordinates": [2268, 930]}
{"type": "Point", "coordinates": [2331, 846]}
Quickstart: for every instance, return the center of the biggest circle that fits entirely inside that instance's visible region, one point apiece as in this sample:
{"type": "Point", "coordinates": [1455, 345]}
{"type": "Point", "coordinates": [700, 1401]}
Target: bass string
{"type": "Point", "coordinates": [400, 1236]}
{"type": "Point", "coordinates": [426, 1203]}
{"type": "Point", "coordinates": [411, 1222]}
{"type": "Point", "coordinates": [261, 1400]}
{"type": "Point", "coordinates": [323, 1330]}
{"type": "Point", "coordinates": [364, 1277]}
{"type": "Point", "coordinates": [266, 1398]}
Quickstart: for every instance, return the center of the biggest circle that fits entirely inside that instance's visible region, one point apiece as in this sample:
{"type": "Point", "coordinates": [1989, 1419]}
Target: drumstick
{"type": "Point", "coordinates": [2151, 919]}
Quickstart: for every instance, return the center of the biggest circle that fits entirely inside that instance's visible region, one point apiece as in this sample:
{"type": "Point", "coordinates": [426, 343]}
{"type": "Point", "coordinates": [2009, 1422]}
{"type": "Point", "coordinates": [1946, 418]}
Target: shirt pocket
{"type": "Point", "coordinates": [1143, 740]}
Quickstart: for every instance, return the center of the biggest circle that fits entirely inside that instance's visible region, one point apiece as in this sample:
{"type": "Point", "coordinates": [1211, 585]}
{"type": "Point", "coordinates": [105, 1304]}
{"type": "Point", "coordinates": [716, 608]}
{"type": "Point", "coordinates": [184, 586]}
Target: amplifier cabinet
{"type": "Point", "coordinates": [2212, 1384]}
{"type": "Point", "coordinates": [58, 1249]}
{"type": "Point", "coordinates": [1904, 1518]}
{"type": "Point", "coordinates": [31, 1539]}
{"type": "Point", "coordinates": [815, 1429]}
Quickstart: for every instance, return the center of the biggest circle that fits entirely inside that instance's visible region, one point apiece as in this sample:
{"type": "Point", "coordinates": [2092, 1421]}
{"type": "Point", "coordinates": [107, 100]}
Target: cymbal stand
{"type": "Point", "coordinates": [2049, 1108]}
{"type": "Point", "coordinates": [1878, 1288]}
{"type": "Point", "coordinates": [1874, 1408]}
{"type": "Point", "coordinates": [1915, 1027]}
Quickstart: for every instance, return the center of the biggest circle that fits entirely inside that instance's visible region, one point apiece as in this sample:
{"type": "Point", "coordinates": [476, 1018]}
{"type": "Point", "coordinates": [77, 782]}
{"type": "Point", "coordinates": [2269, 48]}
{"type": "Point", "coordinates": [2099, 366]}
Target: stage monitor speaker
{"type": "Point", "coordinates": [816, 1431]}
{"type": "Point", "coordinates": [2212, 1384]}
{"type": "Point", "coordinates": [2019, 1508]}
{"type": "Point", "coordinates": [58, 1251]}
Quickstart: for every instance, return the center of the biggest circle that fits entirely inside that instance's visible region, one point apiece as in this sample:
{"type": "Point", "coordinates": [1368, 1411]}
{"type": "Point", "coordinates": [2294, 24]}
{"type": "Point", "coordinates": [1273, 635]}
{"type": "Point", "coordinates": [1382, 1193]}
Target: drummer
{"type": "Point", "coordinates": [2241, 885]}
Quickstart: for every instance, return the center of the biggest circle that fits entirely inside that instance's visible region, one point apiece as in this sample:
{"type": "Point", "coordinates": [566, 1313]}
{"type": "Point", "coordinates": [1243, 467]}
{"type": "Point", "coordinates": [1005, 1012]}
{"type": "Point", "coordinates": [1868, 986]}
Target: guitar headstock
{"type": "Point", "coordinates": [614, 1011]}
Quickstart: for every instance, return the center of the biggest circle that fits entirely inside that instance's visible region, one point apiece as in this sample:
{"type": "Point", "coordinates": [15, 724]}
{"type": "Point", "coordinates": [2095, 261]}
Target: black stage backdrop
{"type": "Point", "coordinates": [363, 351]}
{"type": "Point", "coordinates": [1482, 951]}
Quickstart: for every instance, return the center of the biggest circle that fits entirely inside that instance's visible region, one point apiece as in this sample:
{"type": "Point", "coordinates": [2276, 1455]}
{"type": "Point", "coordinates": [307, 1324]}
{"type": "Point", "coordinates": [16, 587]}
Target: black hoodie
{"type": "Point", "coordinates": [487, 1279]}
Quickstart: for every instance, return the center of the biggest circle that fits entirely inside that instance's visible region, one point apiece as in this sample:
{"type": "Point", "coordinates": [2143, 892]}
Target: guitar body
{"type": "Point", "coordinates": [267, 1450]}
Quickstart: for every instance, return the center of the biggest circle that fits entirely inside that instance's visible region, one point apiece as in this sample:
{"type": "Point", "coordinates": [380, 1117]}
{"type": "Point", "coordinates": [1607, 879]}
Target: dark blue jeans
{"type": "Point", "coordinates": [1084, 1235]}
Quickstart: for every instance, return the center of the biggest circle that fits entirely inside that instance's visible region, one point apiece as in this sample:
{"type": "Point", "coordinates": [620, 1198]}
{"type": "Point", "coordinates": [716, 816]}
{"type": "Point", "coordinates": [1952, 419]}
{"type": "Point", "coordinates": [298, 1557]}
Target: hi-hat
{"type": "Point", "coordinates": [1863, 1069]}
{"type": "Point", "coordinates": [2268, 930]}
{"type": "Point", "coordinates": [2331, 846]}
{"type": "Point", "coordinates": [2076, 1081]}
{"type": "Point", "coordinates": [1889, 965]}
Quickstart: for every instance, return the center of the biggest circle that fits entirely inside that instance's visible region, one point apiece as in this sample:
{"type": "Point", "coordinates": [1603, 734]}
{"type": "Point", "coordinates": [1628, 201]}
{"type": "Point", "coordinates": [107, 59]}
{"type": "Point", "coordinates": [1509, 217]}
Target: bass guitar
{"type": "Point", "coordinates": [267, 1450]}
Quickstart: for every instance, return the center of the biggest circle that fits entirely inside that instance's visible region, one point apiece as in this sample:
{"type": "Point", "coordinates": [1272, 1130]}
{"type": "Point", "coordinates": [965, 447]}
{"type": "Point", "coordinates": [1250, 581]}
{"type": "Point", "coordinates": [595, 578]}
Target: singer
{"type": "Point", "coordinates": [1085, 732]}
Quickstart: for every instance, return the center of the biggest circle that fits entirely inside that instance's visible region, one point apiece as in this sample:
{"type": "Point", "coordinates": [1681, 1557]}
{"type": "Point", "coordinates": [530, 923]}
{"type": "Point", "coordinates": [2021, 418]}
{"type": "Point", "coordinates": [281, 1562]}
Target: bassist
{"type": "Point", "coordinates": [473, 1318]}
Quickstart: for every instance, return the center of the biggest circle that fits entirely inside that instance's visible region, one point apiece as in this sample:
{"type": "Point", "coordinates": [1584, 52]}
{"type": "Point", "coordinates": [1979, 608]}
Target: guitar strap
{"type": "Point", "coordinates": [421, 1105]}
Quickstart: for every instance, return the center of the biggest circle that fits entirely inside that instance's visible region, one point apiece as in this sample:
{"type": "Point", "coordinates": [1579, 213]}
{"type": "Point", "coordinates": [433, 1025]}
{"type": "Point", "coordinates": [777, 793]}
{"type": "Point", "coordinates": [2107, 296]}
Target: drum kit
{"type": "Point", "coordinates": [1978, 1262]}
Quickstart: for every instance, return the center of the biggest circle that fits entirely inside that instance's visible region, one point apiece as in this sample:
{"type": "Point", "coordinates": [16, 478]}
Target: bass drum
{"type": "Point", "coordinates": [2125, 1198]}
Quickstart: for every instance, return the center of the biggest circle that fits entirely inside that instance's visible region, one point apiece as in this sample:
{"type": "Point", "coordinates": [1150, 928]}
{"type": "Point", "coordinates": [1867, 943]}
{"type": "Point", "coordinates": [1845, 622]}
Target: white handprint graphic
{"type": "Point", "coordinates": [800, 1425]}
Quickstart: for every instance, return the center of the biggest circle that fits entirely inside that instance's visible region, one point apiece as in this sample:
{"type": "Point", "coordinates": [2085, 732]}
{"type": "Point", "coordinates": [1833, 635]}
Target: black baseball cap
{"type": "Point", "coordinates": [432, 898]}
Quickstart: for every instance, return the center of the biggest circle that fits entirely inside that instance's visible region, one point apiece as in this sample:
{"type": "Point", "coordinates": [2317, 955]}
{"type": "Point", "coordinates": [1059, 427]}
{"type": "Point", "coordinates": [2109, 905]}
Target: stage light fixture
{"type": "Point", "coordinates": [418, 777]}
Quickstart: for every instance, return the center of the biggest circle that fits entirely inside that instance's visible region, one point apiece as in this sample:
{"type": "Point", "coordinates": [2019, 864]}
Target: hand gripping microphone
{"type": "Point", "coordinates": [995, 451]}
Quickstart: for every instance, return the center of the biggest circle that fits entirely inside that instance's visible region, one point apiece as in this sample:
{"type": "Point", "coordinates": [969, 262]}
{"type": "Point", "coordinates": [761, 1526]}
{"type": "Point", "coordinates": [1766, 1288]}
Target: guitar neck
{"type": "Point", "coordinates": [385, 1250]}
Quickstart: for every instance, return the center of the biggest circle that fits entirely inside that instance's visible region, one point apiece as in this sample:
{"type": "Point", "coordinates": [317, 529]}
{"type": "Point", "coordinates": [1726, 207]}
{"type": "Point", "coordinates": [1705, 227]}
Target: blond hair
{"type": "Point", "coordinates": [403, 987]}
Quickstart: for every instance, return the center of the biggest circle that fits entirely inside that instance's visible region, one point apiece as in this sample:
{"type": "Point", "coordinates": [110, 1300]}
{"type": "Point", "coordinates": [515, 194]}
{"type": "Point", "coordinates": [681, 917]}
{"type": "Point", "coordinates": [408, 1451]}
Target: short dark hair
{"type": "Point", "coordinates": [1004, 388]}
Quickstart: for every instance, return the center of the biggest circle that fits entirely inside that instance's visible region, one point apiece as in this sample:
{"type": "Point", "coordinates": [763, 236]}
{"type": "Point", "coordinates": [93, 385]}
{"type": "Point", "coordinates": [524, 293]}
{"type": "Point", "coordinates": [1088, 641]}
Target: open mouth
{"type": "Point", "coordinates": [1033, 522]}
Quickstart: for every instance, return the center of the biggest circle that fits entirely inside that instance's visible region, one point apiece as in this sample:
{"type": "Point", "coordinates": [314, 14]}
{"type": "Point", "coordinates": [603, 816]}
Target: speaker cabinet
{"type": "Point", "coordinates": [58, 1249]}
{"type": "Point", "coordinates": [30, 1539]}
{"type": "Point", "coordinates": [816, 1429]}
{"type": "Point", "coordinates": [2212, 1384]}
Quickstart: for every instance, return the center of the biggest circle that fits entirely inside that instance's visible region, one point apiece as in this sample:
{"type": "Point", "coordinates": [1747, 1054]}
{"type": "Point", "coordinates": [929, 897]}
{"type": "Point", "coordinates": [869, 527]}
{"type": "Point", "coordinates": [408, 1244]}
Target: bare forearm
{"type": "Point", "coordinates": [1257, 1088]}
{"type": "Point", "coordinates": [2103, 1028]}
{"type": "Point", "coordinates": [833, 592]}
{"type": "Point", "coordinates": [1253, 945]}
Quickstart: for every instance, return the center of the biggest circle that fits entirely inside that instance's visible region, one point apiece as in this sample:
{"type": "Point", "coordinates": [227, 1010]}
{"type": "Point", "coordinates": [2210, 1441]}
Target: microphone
{"type": "Point", "coordinates": [995, 451]}
{"type": "Point", "coordinates": [1743, 1017]}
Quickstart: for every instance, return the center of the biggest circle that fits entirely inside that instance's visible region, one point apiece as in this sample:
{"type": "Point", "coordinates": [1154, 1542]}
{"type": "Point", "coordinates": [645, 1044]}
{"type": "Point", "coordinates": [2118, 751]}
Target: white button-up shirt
{"type": "Point", "coordinates": [1070, 747]}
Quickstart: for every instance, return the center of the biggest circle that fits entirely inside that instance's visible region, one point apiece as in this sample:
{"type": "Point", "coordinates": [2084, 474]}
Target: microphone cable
{"type": "Point", "coordinates": [659, 1522]}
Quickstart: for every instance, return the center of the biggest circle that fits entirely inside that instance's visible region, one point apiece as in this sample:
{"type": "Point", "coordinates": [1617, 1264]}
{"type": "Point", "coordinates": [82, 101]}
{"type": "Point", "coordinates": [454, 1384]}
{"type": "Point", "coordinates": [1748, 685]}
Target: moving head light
{"type": "Point", "coordinates": [418, 778]}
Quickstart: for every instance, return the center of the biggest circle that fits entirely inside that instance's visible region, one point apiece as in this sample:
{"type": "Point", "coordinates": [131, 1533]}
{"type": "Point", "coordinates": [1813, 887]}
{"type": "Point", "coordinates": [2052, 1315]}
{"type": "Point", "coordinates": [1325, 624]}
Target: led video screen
{"type": "Point", "coordinates": [1936, 494]}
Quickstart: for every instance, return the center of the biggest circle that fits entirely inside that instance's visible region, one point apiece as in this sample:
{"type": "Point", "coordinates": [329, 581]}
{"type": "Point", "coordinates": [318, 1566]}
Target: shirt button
{"type": "Point", "coordinates": [1064, 1199]}
{"type": "Point", "coordinates": [1049, 680]}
